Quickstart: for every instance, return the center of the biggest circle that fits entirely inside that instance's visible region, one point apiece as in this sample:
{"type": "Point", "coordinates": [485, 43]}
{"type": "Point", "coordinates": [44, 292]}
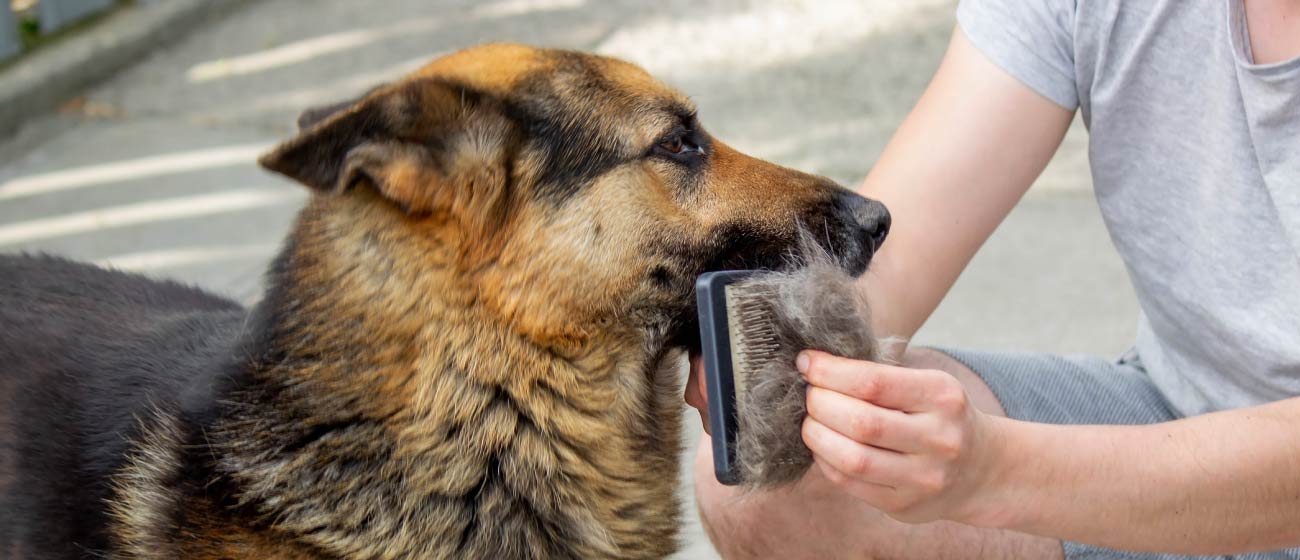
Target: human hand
{"type": "Point", "coordinates": [908, 442]}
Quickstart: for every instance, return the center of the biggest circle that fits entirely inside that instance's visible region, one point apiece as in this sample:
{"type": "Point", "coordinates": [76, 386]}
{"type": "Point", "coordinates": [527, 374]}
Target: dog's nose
{"type": "Point", "coordinates": [867, 214]}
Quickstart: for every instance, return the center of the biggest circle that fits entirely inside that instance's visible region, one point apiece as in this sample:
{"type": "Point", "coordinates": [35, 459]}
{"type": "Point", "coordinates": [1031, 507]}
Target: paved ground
{"type": "Point", "coordinates": [154, 171]}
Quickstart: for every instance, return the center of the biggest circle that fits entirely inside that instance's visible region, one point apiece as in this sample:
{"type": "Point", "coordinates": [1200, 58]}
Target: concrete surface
{"type": "Point", "coordinates": [41, 80]}
{"type": "Point", "coordinates": [155, 172]}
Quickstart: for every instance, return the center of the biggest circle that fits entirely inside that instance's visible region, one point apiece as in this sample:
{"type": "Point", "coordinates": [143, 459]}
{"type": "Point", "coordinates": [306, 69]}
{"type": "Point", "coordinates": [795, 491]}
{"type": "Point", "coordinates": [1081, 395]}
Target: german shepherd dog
{"type": "Point", "coordinates": [469, 347]}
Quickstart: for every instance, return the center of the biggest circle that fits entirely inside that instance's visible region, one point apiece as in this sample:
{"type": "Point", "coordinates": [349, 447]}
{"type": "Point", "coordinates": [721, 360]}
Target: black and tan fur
{"type": "Point", "coordinates": [468, 347]}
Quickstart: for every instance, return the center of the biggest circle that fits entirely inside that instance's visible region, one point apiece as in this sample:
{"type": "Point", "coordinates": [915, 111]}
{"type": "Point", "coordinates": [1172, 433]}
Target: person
{"type": "Point", "coordinates": [1187, 446]}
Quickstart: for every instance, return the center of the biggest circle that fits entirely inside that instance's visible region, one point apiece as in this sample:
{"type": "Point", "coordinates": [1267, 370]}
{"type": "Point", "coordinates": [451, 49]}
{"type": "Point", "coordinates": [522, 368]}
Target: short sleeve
{"type": "Point", "coordinates": [1033, 40]}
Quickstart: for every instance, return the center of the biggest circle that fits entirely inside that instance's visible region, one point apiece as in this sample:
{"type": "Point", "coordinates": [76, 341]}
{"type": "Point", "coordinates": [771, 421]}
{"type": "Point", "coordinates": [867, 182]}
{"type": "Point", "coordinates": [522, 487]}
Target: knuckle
{"type": "Point", "coordinates": [860, 464]}
{"type": "Point", "coordinates": [868, 388]}
{"type": "Point", "coordinates": [932, 483]}
{"type": "Point", "coordinates": [867, 427]}
{"type": "Point", "coordinates": [951, 398]}
{"type": "Point", "coordinates": [835, 476]}
{"type": "Point", "coordinates": [948, 446]}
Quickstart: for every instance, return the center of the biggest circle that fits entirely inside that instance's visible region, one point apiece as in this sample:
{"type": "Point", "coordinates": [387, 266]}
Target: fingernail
{"type": "Point", "coordinates": [801, 362]}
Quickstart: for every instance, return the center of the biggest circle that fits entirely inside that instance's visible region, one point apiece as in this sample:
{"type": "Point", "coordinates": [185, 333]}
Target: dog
{"type": "Point", "coordinates": [468, 347]}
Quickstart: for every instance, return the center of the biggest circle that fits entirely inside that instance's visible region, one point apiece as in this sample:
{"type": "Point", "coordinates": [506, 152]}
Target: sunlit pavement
{"type": "Point", "coordinates": [155, 171]}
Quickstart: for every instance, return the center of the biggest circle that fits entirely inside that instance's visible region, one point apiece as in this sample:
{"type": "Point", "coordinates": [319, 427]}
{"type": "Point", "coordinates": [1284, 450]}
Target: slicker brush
{"type": "Point", "coordinates": [752, 326]}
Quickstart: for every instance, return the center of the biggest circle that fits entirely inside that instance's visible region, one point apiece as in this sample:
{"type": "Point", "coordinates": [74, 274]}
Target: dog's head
{"type": "Point", "coordinates": [574, 193]}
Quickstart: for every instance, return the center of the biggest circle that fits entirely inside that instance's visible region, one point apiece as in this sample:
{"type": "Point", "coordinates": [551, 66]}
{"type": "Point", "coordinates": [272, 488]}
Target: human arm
{"type": "Point", "coordinates": [908, 443]}
{"type": "Point", "coordinates": [963, 157]}
{"type": "Point", "coordinates": [1219, 483]}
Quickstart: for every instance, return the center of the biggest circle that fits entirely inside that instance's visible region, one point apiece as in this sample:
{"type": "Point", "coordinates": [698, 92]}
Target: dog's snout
{"type": "Point", "coordinates": [880, 226]}
{"type": "Point", "coordinates": [857, 226]}
{"type": "Point", "coordinates": [869, 215]}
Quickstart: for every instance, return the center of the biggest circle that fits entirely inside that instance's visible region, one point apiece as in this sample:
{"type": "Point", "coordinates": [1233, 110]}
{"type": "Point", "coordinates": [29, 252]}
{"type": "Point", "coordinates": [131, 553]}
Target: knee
{"type": "Point", "coordinates": [809, 520]}
{"type": "Point", "coordinates": [722, 521]}
{"type": "Point", "coordinates": [976, 389]}
{"type": "Point", "coordinates": [741, 525]}
{"type": "Point", "coordinates": [920, 357]}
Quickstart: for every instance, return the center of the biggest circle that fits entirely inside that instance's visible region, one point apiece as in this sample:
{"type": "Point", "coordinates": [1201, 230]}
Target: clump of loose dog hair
{"type": "Point", "coordinates": [814, 306]}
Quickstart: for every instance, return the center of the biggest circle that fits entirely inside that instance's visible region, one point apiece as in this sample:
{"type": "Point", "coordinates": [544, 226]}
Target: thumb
{"type": "Point", "coordinates": [696, 392]}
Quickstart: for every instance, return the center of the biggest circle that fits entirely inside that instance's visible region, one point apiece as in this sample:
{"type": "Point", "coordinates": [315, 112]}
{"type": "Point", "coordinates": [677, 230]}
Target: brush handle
{"type": "Point", "coordinates": [719, 375]}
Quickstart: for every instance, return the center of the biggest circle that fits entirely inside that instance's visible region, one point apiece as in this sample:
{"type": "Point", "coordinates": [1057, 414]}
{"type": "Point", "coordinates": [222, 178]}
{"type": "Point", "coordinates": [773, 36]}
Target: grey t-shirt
{"type": "Point", "coordinates": [1195, 154]}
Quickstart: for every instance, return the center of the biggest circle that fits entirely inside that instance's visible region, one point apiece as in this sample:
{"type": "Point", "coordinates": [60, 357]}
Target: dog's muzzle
{"type": "Point", "coordinates": [858, 228]}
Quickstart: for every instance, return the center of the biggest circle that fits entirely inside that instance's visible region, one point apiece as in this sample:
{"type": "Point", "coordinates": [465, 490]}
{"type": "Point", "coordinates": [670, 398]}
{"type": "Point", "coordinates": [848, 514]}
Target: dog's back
{"type": "Point", "coordinates": [85, 353]}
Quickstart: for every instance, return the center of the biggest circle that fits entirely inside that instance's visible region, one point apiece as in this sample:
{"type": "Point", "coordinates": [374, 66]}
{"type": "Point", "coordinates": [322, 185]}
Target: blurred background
{"type": "Point", "coordinates": [128, 130]}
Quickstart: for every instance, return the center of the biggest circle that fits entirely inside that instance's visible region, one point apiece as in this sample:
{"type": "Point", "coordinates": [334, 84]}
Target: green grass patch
{"type": "Point", "coordinates": [29, 30]}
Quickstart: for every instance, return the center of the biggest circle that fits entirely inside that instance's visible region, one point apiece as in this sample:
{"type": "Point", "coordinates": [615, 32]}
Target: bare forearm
{"type": "Point", "coordinates": [964, 156]}
{"type": "Point", "coordinates": [1214, 484]}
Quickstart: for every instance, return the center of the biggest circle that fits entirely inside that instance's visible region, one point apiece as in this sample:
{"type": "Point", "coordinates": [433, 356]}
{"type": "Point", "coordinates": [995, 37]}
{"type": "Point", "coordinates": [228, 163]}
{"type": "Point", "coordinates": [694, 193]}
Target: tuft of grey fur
{"type": "Point", "coordinates": [816, 306]}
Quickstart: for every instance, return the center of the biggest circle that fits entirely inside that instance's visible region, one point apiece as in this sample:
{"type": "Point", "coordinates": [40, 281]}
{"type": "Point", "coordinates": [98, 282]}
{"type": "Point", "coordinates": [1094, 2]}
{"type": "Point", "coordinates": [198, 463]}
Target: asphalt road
{"type": "Point", "coordinates": [153, 170]}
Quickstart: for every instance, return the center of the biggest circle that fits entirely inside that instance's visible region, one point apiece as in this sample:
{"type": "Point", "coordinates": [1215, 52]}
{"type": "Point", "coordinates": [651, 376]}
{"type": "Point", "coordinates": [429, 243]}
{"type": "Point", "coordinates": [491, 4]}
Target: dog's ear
{"type": "Point", "coordinates": [314, 115]}
{"type": "Point", "coordinates": [426, 145]}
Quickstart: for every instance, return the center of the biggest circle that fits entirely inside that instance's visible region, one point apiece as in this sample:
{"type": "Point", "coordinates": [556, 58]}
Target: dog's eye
{"type": "Point", "coordinates": [674, 146]}
{"type": "Point", "coordinates": [677, 146]}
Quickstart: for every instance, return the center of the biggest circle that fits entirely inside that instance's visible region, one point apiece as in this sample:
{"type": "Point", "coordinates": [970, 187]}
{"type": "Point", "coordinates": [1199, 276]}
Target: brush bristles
{"type": "Point", "coordinates": [773, 316]}
{"type": "Point", "coordinates": [754, 340]}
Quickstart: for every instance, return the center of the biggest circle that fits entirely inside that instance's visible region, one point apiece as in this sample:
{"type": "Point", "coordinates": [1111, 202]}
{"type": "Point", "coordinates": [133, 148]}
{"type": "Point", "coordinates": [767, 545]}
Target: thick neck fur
{"type": "Point", "coordinates": [392, 415]}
